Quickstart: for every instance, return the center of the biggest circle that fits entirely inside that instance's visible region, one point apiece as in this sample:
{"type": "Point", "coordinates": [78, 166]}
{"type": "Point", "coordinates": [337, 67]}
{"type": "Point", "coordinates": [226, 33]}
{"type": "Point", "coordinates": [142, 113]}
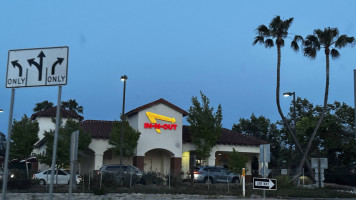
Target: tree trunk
{"type": "Point", "coordinates": [322, 114]}
{"type": "Point", "coordinates": [297, 144]}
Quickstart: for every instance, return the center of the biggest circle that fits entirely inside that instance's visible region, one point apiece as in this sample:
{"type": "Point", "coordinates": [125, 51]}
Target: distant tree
{"type": "Point", "coordinates": [237, 161]}
{"type": "Point", "coordinates": [2, 144]}
{"type": "Point", "coordinates": [262, 128]}
{"type": "Point", "coordinates": [205, 126]}
{"type": "Point", "coordinates": [329, 40]}
{"type": "Point", "coordinates": [332, 141]}
{"type": "Point", "coordinates": [72, 105]}
{"type": "Point", "coordinates": [131, 137]}
{"type": "Point", "coordinates": [44, 105]}
{"type": "Point", "coordinates": [64, 139]}
{"type": "Point", "coordinates": [24, 136]}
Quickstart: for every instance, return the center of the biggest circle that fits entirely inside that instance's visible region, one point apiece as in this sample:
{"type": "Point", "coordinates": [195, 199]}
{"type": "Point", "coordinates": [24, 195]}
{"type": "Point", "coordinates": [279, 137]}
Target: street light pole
{"type": "Point", "coordinates": [355, 100]}
{"type": "Point", "coordinates": [123, 79]}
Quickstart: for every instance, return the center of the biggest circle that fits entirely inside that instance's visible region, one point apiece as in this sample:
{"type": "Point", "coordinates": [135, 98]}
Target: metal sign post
{"type": "Point", "coordinates": [54, 154]}
{"type": "Point", "coordinates": [6, 170]}
{"type": "Point", "coordinates": [73, 162]}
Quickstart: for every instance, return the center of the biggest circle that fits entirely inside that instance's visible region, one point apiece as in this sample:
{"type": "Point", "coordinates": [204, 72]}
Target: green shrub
{"type": "Point", "coordinates": [174, 180]}
{"type": "Point", "coordinates": [99, 191]}
{"type": "Point", "coordinates": [151, 177]}
{"type": "Point", "coordinates": [307, 180]}
{"type": "Point", "coordinates": [284, 181]}
{"type": "Point", "coordinates": [127, 178]}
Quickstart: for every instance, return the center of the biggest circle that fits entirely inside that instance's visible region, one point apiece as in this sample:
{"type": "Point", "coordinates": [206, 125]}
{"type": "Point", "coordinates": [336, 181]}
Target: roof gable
{"type": "Point", "coordinates": [159, 101]}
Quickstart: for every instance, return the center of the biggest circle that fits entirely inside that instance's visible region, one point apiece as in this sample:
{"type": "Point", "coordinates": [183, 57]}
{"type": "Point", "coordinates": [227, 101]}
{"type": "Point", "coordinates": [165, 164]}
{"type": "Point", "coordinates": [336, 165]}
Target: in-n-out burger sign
{"type": "Point", "coordinates": [153, 116]}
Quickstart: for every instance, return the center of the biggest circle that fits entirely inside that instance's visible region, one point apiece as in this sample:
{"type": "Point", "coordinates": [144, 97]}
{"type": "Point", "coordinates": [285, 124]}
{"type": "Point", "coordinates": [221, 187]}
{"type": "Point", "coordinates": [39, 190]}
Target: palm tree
{"type": "Point", "coordinates": [275, 33]}
{"type": "Point", "coordinates": [328, 40]}
{"type": "Point", "coordinates": [44, 105]}
{"type": "Point", "coordinates": [72, 105]}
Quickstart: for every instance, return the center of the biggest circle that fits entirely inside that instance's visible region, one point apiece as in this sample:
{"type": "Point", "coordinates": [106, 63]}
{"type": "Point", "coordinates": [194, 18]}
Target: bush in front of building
{"type": "Point", "coordinates": [173, 181]}
{"type": "Point", "coordinates": [130, 180]}
{"type": "Point", "coordinates": [151, 177]}
{"type": "Point", "coordinates": [284, 182]}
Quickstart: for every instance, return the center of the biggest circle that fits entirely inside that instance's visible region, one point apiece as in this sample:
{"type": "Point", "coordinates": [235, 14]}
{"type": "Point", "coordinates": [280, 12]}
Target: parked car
{"type": "Point", "coordinates": [209, 174]}
{"type": "Point", "coordinates": [116, 168]}
{"type": "Point", "coordinates": [10, 175]}
{"type": "Point", "coordinates": [63, 177]}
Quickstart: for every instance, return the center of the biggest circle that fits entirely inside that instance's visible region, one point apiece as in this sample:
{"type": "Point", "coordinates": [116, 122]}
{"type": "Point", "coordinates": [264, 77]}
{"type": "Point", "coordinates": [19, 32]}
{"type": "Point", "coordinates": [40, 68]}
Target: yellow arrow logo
{"type": "Point", "coordinates": [153, 116]}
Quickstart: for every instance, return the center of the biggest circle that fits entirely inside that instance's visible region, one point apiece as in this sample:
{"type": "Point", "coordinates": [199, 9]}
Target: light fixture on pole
{"type": "Point", "coordinates": [1, 110]}
{"type": "Point", "coordinates": [288, 94]}
{"type": "Point", "coordinates": [123, 79]}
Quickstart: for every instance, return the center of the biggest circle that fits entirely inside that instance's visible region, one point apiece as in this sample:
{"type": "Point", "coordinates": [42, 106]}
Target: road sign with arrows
{"type": "Point", "coordinates": [37, 67]}
{"type": "Point", "coordinates": [264, 184]}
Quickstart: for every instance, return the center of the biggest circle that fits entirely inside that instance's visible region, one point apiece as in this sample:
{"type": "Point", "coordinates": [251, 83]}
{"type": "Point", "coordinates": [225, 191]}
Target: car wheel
{"type": "Point", "coordinates": [208, 181]}
{"type": "Point", "coordinates": [42, 182]}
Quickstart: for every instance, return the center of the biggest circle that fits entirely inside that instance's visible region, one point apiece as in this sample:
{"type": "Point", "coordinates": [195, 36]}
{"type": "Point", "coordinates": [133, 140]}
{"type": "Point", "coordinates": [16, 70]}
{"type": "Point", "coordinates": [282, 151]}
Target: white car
{"type": "Point", "coordinates": [63, 177]}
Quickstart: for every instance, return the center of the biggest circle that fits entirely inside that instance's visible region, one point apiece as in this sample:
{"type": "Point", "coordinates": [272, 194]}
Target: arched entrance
{"type": "Point", "coordinates": [158, 160]}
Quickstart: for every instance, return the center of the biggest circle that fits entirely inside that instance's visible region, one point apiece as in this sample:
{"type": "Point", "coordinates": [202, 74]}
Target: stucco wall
{"type": "Point", "coordinates": [170, 140]}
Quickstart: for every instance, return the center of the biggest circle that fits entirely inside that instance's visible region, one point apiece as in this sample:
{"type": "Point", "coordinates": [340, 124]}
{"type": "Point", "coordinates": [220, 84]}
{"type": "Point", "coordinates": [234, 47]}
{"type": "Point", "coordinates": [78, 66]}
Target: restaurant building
{"type": "Point", "coordinates": [164, 145]}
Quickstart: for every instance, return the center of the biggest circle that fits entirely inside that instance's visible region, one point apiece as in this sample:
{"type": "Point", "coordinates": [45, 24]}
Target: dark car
{"type": "Point", "coordinates": [208, 174]}
{"type": "Point", "coordinates": [118, 169]}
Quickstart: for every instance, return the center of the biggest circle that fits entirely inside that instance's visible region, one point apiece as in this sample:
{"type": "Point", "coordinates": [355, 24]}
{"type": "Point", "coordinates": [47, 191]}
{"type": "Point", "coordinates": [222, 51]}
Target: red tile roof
{"type": "Point", "coordinates": [155, 103]}
{"type": "Point", "coordinates": [97, 128]}
{"type": "Point", "coordinates": [51, 112]}
{"type": "Point", "coordinates": [228, 137]}
{"type": "Point", "coordinates": [102, 129]}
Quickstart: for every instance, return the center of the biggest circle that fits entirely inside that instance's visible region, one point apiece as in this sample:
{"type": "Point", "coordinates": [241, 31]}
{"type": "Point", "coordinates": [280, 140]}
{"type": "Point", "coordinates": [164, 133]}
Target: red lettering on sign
{"type": "Point", "coordinates": [159, 126]}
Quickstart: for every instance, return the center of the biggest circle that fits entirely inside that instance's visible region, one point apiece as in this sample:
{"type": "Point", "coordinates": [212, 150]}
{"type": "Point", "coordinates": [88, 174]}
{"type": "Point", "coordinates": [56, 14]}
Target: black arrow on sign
{"type": "Point", "coordinates": [38, 66]}
{"type": "Point", "coordinates": [59, 61]}
{"type": "Point", "coordinates": [16, 64]}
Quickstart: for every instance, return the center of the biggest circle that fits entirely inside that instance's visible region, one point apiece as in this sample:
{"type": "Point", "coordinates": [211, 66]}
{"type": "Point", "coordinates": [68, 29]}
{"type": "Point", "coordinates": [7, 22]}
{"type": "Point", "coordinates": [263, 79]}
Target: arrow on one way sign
{"type": "Point", "coordinates": [264, 184]}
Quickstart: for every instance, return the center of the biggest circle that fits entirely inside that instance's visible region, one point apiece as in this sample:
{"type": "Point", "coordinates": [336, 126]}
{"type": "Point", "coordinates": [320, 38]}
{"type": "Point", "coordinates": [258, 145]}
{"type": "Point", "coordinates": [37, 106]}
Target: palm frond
{"type": "Point", "coordinates": [312, 41]}
{"type": "Point", "coordinates": [275, 22]}
{"type": "Point", "coordinates": [295, 41]}
{"type": "Point", "coordinates": [285, 25]}
{"type": "Point", "coordinates": [319, 34]}
{"type": "Point", "coordinates": [309, 52]}
{"type": "Point", "coordinates": [334, 32]}
{"type": "Point", "coordinates": [334, 53]}
{"type": "Point", "coordinates": [259, 39]}
{"type": "Point", "coordinates": [269, 43]}
{"type": "Point", "coordinates": [344, 40]}
{"type": "Point", "coordinates": [294, 45]}
{"type": "Point", "coordinates": [298, 38]}
{"type": "Point", "coordinates": [282, 43]}
{"type": "Point", "coordinates": [263, 30]}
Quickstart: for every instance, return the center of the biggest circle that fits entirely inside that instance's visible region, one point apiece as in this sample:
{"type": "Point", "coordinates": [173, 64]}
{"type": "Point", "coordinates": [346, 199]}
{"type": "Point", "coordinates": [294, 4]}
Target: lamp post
{"type": "Point", "coordinates": [123, 79]}
{"type": "Point", "coordinates": [287, 94]}
{"type": "Point", "coordinates": [1, 110]}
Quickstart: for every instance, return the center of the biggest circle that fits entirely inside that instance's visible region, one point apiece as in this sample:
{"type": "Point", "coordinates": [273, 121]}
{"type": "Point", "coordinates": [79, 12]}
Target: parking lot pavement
{"type": "Point", "coordinates": [125, 196]}
{"type": "Point", "coordinates": [112, 196]}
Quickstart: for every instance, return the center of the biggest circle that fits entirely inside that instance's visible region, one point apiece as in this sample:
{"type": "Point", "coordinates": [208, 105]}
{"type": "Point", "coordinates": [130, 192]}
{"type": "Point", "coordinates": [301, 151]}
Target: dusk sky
{"type": "Point", "coordinates": [174, 50]}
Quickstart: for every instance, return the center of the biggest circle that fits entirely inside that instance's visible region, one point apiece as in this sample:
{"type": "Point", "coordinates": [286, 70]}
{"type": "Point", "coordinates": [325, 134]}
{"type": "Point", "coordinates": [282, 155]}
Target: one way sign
{"type": "Point", "coordinates": [37, 67]}
{"type": "Point", "coordinates": [264, 184]}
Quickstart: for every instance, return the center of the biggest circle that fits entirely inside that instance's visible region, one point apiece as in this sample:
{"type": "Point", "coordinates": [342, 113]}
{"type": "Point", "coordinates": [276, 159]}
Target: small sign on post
{"type": "Point", "coordinates": [264, 184]}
